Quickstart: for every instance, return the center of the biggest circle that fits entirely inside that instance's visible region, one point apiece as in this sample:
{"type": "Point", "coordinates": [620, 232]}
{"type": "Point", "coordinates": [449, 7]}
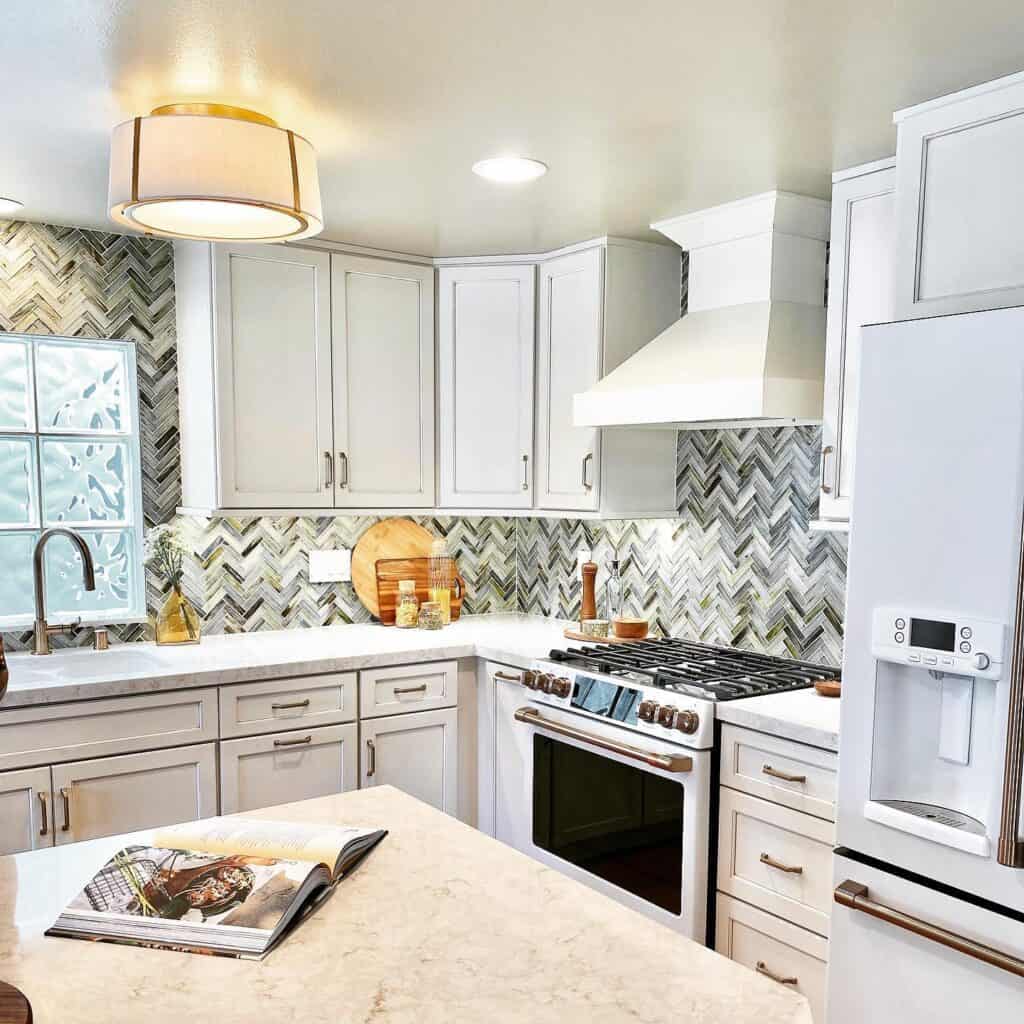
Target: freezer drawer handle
{"type": "Point", "coordinates": [790, 869]}
{"type": "Point", "coordinates": [762, 968]}
{"type": "Point", "coordinates": [776, 774]}
{"type": "Point", "coordinates": [856, 897]}
{"type": "Point", "coordinates": [666, 762]}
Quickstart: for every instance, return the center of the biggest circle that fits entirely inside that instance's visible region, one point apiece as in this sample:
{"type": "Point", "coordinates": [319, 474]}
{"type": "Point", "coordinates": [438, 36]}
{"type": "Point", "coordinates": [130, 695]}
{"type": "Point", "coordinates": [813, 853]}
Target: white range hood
{"type": "Point", "coordinates": [751, 349]}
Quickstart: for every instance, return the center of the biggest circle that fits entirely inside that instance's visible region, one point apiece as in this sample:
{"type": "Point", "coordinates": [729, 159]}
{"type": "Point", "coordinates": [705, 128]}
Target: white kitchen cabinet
{"type": "Point", "coordinates": [108, 795]}
{"type": "Point", "coordinates": [26, 820]}
{"type": "Point", "coordinates": [383, 345]}
{"type": "Point", "coordinates": [485, 319]}
{"type": "Point", "coordinates": [262, 771]}
{"type": "Point", "coordinates": [960, 201]}
{"type": "Point", "coordinates": [860, 291]}
{"type": "Point", "coordinates": [417, 753]}
{"type": "Point", "coordinates": [596, 307]}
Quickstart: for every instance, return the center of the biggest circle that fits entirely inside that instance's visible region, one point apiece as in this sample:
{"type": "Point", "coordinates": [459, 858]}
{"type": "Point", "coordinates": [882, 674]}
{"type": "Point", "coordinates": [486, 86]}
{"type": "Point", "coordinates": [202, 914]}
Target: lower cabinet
{"type": "Point", "coordinates": [25, 810]}
{"type": "Point", "coordinates": [280, 768]}
{"type": "Point", "coordinates": [416, 752]}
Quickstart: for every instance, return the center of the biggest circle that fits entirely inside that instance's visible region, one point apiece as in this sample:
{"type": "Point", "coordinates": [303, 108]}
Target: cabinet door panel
{"type": "Point", "coordinates": [383, 343]}
{"type": "Point", "coordinates": [284, 767]}
{"type": "Point", "coordinates": [26, 818]}
{"type": "Point", "coordinates": [569, 361]}
{"type": "Point", "coordinates": [486, 324]}
{"type": "Point", "coordinates": [416, 753]}
{"type": "Point", "coordinates": [274, 376]}
{"type": "Point", "coordinates": [132, 792]}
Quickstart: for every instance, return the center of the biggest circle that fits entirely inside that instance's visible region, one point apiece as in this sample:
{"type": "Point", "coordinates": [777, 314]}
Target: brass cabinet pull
{"type": "Point", "coordinates": [293, 743]}
{"type": "Point", "coordinates": [1010, 848]}
{"type": "Point", "coordinates": [825, 453]}
{"type": "Point", "coordinates": [45, 826]}
{"type": "Point", "coordinates": [762, 968]}
{"type": "Point", "coordinates": [526, 472]}
{"type": "Point", "coordinates": [586, 458]}
{"type": "Point", "coordinates": [666, 762]}
{"type": "Point", "coordinates": [289, 706]}
{"type": "Point", "coordinates": [856, 897]}
{"type": "Point", "coordinates": [507, 677]}
{"type": "Point", "coordinates": [790, 869]}
{"type": "Point", "coordinates": [329, 475]}
{"type": "Point", "coordinates": [422, 688]}
{"type": "Point", "coordinates": [65, 796]}
{"type": "Point", "coordinates": [343, 459]}
{"type": "Point", "coordinates": [776, 774]}
{"type": "Point", "coordinates": [371, 753]}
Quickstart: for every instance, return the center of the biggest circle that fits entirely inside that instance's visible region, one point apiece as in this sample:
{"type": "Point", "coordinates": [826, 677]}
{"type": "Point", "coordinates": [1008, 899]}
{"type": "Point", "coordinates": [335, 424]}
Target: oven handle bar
{"type": "Point", "coordinates": [856, 897]}
{"type": "Point", "coordinates": [676, 763]}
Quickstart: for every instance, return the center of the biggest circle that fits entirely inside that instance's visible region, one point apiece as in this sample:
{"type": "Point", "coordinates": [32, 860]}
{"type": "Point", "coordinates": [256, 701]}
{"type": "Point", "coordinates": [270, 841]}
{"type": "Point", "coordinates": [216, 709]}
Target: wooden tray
{"type": "Point", "coordinates": [390, 538]}
{"type": "Point", "coordinates": [572, 634]}
{"type": "Point", "coordinates": [390, 571]}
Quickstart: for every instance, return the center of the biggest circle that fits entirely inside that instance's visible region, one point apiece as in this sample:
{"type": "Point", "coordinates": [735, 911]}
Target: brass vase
{"type": "Point", "coordinates": [177, 622]}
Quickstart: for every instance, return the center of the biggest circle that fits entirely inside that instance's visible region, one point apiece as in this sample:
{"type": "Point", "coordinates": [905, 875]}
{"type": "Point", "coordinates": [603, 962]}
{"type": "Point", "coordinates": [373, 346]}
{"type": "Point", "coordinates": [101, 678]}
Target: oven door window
{"type": "Point", "coordinates": [620, 823]}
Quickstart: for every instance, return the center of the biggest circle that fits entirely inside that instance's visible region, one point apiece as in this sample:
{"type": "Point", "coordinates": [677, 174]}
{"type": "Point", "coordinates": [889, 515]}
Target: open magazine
{"type": "Point", "coordinates": [227, 886]}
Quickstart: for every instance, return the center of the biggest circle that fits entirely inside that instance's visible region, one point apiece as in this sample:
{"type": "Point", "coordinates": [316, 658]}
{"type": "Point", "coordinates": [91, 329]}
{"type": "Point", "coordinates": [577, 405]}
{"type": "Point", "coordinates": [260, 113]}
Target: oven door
{"type": "Point", "coordinates": [625, 813]}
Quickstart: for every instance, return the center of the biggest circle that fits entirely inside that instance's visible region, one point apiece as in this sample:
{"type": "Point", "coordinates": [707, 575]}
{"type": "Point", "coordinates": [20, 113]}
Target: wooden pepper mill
{"type": "Point", "coordinates": [588, 605]}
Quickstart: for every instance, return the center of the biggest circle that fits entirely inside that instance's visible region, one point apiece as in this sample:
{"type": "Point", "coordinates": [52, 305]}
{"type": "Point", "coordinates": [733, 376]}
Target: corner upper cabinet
{"type": "Point", "coordinates": [860, 284]}
{"type": "Point", "coordinates": [485, 319]}
{"type": "Point", "coordinates": [960, 208]}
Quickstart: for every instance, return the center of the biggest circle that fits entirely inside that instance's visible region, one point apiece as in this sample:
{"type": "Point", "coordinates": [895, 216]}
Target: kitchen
{"type": "Point", "coordinates": [628, 355]}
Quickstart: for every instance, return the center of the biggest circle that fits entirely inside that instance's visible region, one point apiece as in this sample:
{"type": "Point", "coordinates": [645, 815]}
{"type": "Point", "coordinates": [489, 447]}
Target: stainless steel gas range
{"type": "Point", "coordinates": [614, 750]}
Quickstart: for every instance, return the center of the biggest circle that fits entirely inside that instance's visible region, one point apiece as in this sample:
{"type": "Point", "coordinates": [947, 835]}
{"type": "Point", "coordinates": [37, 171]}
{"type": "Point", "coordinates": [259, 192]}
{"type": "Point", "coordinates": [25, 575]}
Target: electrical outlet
{"type": "Point", "coordinates": [333, 566]}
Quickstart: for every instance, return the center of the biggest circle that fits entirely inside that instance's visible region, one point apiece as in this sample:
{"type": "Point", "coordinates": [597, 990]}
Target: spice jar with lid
{"type": "Point", "coordinates": [408, 608]}
{"type": "Point", "coordinates": [430, 615]}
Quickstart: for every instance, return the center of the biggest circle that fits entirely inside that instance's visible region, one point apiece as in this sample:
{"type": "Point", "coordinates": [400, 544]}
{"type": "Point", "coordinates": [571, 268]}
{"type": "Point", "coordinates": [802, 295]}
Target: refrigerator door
{"type": "Point", "coordinates": [935, 543]}
{"type": "Point", "coordinates": [884, 973]}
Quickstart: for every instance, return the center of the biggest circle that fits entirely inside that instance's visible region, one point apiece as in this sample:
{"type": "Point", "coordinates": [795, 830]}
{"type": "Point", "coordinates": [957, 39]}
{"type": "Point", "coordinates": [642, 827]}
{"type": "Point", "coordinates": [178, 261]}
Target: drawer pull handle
{"type": "Point", "coordinates": [45, 825]}
{"type": "Point", "coordinates": [65, 795]}
{"type": "Point", "coordinates": [507, 677]}
{"type": "Point", "coordinates": [289, 706]}
{"type": "Point", "coordinates": [785, 776]}
{"type": "Point", "coordinates": [293, 743]}
{"type": "Point", "coordinates": [371, 752]}
{"type": "Point", "coordinates": [762, 968]}
{"type": "Point", "coordinates": [422, 688]}
{"type": "Point", "coordinates": [789, 869]}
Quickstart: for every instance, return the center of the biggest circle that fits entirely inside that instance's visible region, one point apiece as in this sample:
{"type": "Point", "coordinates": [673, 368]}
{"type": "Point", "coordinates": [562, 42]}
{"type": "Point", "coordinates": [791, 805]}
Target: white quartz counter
{"type": "Point", "coordinates": [801, 715]}
{"type": "Point", "coordinates": [440, 923]}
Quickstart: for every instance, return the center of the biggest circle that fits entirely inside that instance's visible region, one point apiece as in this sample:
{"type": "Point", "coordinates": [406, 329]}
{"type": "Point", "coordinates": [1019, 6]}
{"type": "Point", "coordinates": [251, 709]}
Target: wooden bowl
{"type": "Point", "coordinates": [629, 628]}
{"type": "Point", "coordinates": [829, 687]}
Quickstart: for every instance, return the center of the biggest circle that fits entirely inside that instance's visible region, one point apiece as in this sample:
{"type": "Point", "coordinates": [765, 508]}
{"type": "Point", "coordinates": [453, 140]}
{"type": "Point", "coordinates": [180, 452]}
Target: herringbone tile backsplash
{"type": "Point", "coordinates": [737, 566]}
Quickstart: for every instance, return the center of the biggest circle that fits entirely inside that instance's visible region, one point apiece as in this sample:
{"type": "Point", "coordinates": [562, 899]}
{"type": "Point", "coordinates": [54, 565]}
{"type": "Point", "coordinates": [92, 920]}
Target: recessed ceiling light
{"type": "Point", "coordinates": [509, 170]}
{"type": "Point", "coordinates": [9, 205]}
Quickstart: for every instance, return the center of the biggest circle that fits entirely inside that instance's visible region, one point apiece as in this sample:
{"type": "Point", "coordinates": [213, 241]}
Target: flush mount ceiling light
{"type": "Point", "coordinates": [8, 205]}
{"type": "Point", "coordinates": [509, 170]}
{"type": "Point", "coordinates": [204, 170]}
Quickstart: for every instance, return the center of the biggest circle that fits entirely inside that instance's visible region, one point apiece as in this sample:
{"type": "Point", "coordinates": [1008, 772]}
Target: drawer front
{"type": "Point", "coordinates": [758, 842]}
{"type": "Point", "coordinates": [97, 728]}
{"type": "Point", "coordinates": [777, 949]}
{"type": "Point", "coordinates": [780, 770]}
{"type": "Point", "coordinates": [263, 771]}
{"type": "Point", "coordinates": [247, 709]}
{"type": "Point", "coordinates": [393, 691]}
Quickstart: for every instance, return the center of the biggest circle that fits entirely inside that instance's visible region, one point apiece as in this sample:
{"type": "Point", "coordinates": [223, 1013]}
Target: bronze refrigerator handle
{"type": "Point", "coordinates": [45, 826]}
{"type": "Point", "coordinates": [856, 897]}
{"type": "Point", "coordinates": [65, 796]}
{"type": "Point", "coordinates": [789, 869]}
{"type": "Point", "coordinates": [762, 968]}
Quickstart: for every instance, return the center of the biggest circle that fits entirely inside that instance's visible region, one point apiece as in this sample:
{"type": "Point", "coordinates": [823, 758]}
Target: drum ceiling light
{"type": "Point", "coordinates": [209, 171]}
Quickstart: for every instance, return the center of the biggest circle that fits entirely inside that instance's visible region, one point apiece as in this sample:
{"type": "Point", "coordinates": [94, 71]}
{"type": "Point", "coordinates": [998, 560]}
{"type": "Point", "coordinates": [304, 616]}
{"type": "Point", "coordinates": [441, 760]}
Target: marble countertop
{"type": "Point", "coordinates": [440, 923]}
{"type": "Point", "coordinates": [801, 715]}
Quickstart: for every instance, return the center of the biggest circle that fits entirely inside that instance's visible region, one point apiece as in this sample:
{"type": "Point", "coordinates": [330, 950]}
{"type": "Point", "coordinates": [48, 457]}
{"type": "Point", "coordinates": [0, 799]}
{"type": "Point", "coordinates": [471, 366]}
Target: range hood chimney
{"type": "Point", "coordinates": [751, 349]}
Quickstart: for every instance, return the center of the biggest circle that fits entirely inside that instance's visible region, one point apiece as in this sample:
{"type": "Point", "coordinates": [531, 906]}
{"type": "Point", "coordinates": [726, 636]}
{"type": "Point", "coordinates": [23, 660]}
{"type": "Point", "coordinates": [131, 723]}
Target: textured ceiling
{"type": "Point", "coordinates": [642, 109]}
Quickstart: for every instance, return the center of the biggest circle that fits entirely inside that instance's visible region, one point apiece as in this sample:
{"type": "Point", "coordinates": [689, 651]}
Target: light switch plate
{"type": "Point", "coordinates": [333, 566]}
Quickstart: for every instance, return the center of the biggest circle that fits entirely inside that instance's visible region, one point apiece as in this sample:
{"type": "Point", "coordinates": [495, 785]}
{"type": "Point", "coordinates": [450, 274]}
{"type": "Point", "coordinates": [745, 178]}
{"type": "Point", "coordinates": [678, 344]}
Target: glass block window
{"type": "Point", "coordinates": [70, 456]}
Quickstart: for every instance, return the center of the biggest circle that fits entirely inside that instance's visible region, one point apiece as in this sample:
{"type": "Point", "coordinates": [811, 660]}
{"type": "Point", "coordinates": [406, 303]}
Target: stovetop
{"type": "Point", "coordinates": [694, 669]}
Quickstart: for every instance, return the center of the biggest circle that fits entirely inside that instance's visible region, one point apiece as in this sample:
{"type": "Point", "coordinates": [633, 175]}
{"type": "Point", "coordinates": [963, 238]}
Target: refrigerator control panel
{"type": "Point", "coordinates": [940, 642]}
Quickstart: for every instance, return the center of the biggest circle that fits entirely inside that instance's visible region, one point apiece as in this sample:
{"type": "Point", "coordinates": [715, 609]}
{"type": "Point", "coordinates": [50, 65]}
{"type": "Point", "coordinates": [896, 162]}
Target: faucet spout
{"type": "Point", "coordinates": [41, 643]}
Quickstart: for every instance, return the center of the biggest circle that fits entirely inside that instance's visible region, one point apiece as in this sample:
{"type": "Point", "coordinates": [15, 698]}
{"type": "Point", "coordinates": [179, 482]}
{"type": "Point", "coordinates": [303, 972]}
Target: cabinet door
{"type": "Point", "coordinates": [26, 819]}
{"type": "Point", "coordinates": [135, 791]}
{"type": "Point", "coordinates": [485, 318]}
{"type": "Point", "coordinates": [284, 767]}
{"type": "Point", "coordinates": [513, 754]}
{"type": "Point", "coordinates": [274, 376]}
{"type": "Point", "coordinates": [859, 292]}
{"type": "Point", "coordinates": [415, 753]}
{"type": "Point", "coordinates": [383, 343]}
{"type": "Point", "coordinates": [569, 331]}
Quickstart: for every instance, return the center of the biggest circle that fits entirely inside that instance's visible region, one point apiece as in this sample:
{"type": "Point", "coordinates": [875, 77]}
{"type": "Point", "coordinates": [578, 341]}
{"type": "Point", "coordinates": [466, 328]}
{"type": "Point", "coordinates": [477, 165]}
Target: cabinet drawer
{"type": "Point", "coordinates": [249, 708]}
{"type": "Point", "coordinates": [392, 691]}
{"type": "Point", "coordinates": [263, 771]}
{"type": "Point", "coordinates": [95, 728]}
{"type": "Point", "coordinates": [780, 770]}
{"type": "Point", "coordinates": [774, 947]}
{"type": "Point", "coordinates": [757, 841]}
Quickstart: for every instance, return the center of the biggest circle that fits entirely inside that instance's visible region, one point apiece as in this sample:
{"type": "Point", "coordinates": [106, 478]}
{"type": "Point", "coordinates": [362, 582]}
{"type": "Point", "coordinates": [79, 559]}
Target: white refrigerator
{"type": "Point", "coordinates": [928, 920]}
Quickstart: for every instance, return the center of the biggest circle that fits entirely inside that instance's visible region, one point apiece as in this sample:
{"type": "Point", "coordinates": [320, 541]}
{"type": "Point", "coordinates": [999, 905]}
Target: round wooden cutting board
{"type": "Point", "coordinates": [390, 538]}
{"type": "Point", "coordinates": [14, 1007]}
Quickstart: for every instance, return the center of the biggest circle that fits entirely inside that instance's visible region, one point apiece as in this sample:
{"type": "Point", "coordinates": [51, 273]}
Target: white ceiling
{"type": "Point", "coordinates": [642, 108]}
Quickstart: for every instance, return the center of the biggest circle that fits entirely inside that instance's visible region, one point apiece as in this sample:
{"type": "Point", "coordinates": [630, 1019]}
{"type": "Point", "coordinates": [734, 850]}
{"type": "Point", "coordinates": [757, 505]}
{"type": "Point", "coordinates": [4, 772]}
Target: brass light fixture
{"type": "Point", "coordinates": [215, 172]}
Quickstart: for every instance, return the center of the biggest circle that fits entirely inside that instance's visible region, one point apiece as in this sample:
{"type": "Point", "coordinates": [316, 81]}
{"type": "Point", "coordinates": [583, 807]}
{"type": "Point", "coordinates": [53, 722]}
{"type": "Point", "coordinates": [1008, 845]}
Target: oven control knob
{"type": "Point", "coordinates": [530, 680]}
{"type": "Point", "coordinates": [687, 721]}
{"type": "Point", "coordinates": [647, 711]}
{"type": "Point", "coordinates": [981, 661]}
{"type": "Point", "coordinates": [544, 681]}
{"type": "Point", "coordinates": [666, 716]}
{"type": "Point", "coordinates": [561, 687]}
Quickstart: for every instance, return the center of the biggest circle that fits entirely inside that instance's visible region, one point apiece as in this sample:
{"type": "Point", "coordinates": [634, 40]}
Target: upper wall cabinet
{"type": "Point", "coordinates": [859, 292]}
{"type": "Point", "coordinates": [960, 211]}
{"type": "Point", "coordinates": [485, 321]}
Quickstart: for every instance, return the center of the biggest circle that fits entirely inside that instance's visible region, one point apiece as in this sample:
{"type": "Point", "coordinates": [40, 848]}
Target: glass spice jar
{"type": "Point", "coordinates": [408, 608]}
{"type": "Point", "coordinates": [430, 615]}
